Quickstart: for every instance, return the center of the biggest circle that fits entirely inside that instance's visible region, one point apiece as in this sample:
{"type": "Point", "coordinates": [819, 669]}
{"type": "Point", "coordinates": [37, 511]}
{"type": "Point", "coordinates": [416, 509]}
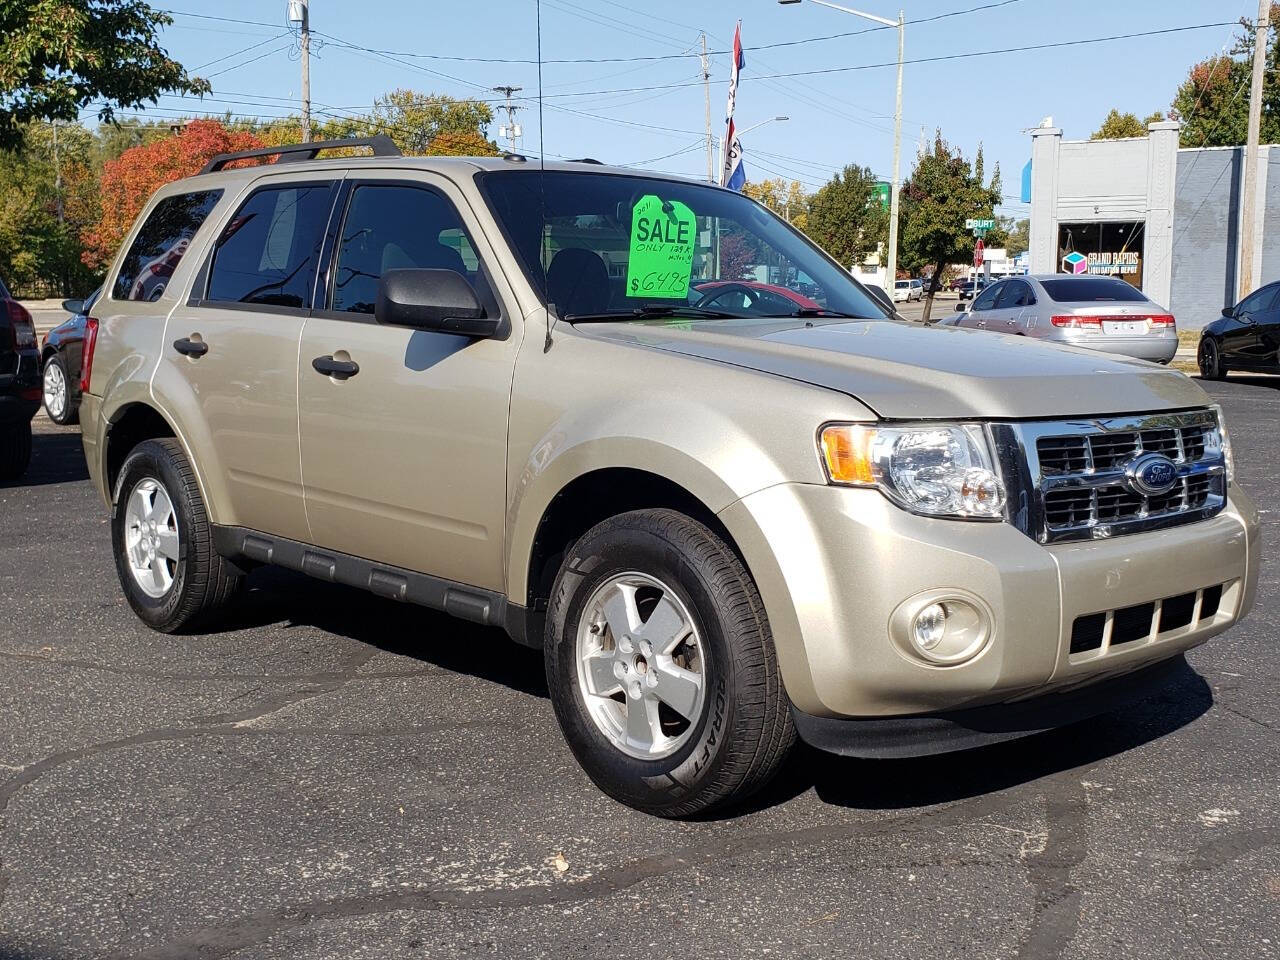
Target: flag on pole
{"type": "Point", "coordinates": [732, 174]}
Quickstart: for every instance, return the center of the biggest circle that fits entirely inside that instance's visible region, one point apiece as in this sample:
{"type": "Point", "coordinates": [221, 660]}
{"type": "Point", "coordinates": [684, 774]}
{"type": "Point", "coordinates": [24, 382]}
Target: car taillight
{"type": "Point", "coordinates": [1162, 320]}
{"type": "Point", "coordinates": [24, 329]}
{"type": "Point", "coordinates": [1077, 322]}
{"type": "Point", "coordinates": [86, 361]}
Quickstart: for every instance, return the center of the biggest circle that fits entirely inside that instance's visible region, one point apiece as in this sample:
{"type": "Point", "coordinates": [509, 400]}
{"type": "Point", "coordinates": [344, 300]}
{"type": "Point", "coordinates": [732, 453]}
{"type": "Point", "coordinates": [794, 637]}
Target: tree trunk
{"type": "Point", "coordinates": [933, 288]}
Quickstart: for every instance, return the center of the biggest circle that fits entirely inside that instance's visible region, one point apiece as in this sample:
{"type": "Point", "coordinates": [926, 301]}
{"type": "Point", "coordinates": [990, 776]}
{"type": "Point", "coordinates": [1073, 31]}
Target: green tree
{"type": "Point", "coordinates": [1017, 235]}
{"type": "Point", "coordinates": [943, 191]}
{"type": "Point", "coordinates": [845, 216]}
{"type": "Point", "coordinates": [47, 196]}
{"type": "Point", "coordinates": [786, 198]}
{"type": "Point", "coordinates": [1213, 102]}
{"type": "Point", "coordinates": [1118, 126]}
{"type": "Point", "coordinates": [413, 120]}
{"type": "Point", "coordinates": [58, 56]}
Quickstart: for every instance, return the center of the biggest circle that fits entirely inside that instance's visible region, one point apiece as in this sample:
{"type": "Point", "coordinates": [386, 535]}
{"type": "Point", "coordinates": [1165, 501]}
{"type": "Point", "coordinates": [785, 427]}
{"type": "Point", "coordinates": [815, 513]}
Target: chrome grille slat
{"type": "Point", "coordinates": [1075, 470]}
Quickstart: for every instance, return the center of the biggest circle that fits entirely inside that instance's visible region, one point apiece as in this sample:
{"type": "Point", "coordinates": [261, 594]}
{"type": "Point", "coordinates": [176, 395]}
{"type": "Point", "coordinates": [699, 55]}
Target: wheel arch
{"type": "Point", "coordinates": [575, 507]}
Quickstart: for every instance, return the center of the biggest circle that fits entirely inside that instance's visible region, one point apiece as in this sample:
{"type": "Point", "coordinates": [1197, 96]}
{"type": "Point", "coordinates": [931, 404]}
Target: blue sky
{"type": "Point", "coordinates": [835, 118]}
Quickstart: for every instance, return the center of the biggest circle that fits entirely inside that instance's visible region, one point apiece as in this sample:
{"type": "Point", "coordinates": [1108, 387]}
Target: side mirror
{"type": "Point", "coordinates": [961, 308]}
{"type": "Point", "coordinates": [73, 306]}
{"type": "Point", "coordinates": [438, 300]}
{"type": "Point", "coordinates": [1228, 312]}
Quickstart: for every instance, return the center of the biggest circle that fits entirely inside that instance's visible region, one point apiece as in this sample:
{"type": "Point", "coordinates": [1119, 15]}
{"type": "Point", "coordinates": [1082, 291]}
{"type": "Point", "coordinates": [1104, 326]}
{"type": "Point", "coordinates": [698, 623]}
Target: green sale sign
{"type": "Point", "coordinates": [661, 255]}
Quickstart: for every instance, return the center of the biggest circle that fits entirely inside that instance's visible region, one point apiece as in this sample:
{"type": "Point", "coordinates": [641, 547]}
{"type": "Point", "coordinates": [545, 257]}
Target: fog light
{"type": "Point", "coordinates": [929, 626]}
{"type": "Point", "coordinates": [941, 628]}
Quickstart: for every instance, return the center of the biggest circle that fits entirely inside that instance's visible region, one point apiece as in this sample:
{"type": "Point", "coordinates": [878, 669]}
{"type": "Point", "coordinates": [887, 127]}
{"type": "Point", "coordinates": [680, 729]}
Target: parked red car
{"type": "Point", "coordinates": [751, 298]}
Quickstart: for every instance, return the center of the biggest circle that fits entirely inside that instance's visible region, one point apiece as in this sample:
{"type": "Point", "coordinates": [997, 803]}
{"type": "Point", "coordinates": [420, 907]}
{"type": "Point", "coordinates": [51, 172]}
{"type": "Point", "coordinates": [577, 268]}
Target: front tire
{"type": "Point", "coordinates": [661, 666]}
{"type": "Point", "coordinates": [15, 450]}
{"type": "Point", "coordinates": [171, 574]}
{"type": "Point", "coordinates": [1209, 360]}
{"type": "Point", "coordinates": [56, 390]}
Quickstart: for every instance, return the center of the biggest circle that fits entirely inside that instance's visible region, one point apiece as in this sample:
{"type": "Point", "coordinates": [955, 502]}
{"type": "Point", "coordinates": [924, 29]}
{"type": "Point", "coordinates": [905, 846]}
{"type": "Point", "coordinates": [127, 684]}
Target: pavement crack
{"type": "Point", "coordinates": [1056, 916]}
{"type": "Point", "coordinates": [223, 940]}
{"type": "Point", "coordinates": [318, 677]}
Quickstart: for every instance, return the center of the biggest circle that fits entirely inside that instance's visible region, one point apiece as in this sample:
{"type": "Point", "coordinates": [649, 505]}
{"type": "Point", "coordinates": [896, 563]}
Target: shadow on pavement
{"type": "Point", "coordinates": [276, 595]}
{"type": "Point", "coordinates": [55, 458]}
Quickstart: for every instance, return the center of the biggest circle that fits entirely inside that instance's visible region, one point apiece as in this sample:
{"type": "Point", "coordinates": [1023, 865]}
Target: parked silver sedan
{"type": "Point", "coordinates": [1103, 313]}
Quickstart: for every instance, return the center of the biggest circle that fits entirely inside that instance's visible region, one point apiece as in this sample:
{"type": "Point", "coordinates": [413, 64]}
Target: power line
{"type": "Point", "coordinates": [237, 53]}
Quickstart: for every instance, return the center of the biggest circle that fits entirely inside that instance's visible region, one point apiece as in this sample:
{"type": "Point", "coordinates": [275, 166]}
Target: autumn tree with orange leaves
{"type": "Point", "coordinates": [129, 182]}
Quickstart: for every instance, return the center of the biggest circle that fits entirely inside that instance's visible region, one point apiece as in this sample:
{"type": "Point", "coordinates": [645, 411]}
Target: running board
{"type": "Point", "coordinates": [394, 583]}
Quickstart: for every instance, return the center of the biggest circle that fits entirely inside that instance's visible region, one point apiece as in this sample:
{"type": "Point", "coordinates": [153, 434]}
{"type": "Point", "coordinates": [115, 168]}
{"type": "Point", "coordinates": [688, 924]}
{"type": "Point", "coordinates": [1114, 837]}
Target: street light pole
{"type": "Point", "coordinates": [754, 126]}
{"type": "Point", "coordinates": [900, 23]}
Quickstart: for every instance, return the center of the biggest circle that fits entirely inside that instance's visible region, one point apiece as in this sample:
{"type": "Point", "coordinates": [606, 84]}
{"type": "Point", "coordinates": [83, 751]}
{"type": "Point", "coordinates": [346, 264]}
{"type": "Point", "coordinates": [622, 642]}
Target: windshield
{"type": "Point", "coordinates": [614, 245]}
{"type": "Point", "coordinates": [1091, 289]}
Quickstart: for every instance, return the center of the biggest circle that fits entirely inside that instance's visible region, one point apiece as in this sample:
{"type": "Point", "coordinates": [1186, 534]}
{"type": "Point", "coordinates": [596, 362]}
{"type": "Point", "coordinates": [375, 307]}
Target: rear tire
{"type": "Point", "coordinates": [718, 747]}
{"type": "Point", "coordinates": [163, 541]}
{"type": "Point", "coordinates": [15, 450]}
{"type": "Point", "coordinates": [1209, 360]}
{"type": "Point", "coordinates": [56, 390]}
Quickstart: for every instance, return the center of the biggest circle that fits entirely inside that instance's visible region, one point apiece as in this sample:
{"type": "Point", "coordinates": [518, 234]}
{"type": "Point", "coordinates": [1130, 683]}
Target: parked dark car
{"type": "Point", "coordinates": [1245, 337]}
{"type": "Point", "coordinates": [19, 385]}
{"type": "Point", "coordinates": [61, 353]}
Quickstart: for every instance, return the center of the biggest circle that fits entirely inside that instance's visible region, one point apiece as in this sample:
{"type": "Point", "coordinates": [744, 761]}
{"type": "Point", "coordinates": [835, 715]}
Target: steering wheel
{"type": "Point", "coordinates": [752, 295]}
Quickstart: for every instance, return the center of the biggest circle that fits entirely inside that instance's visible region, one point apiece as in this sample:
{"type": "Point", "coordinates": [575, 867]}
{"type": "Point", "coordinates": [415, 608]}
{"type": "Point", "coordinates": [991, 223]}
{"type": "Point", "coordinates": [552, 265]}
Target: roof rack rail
{"type": "Point", "coordinates": [381, 145]}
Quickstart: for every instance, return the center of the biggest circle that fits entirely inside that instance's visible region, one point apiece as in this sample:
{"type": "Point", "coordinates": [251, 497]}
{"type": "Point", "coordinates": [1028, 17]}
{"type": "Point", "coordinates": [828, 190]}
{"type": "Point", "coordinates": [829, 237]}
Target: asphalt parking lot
{"type": "Point", "coordinates": [331, 775]}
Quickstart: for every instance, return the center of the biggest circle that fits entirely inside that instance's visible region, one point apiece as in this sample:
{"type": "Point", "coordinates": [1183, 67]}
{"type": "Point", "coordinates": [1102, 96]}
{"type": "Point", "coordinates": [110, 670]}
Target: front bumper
{"type": "Point", "coordinates": [834, 565]}
{"type": "Point", "coordinates": [896, 737]}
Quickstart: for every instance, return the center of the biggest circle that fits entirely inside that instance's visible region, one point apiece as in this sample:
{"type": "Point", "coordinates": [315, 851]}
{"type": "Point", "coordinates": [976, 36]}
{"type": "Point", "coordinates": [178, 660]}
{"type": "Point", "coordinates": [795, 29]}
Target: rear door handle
{"type": "Point", "coordinates": [191, 348]}
{"type": "Point", "coordinates": [341, 369]}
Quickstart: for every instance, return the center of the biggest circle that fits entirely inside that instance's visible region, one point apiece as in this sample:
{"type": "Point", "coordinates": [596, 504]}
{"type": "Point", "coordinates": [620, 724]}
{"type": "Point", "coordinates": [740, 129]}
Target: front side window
{"type": "Point", "coordinates": [1257, 301]}
{"type": "Point", "coordinates": [268, 251]}
{"type": "Point", "coordinates": [987, 299]}
{"type": "Point", "coordinates": [609, 245]}
{"type": "Point", "coordinates": [160, 244]}
{"type": "Point", "coordinates": [391, 227]}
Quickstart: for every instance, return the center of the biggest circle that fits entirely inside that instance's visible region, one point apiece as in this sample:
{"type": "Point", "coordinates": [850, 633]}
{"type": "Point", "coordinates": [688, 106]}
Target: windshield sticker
{"type": "Point", "coordinates": [661, 260]}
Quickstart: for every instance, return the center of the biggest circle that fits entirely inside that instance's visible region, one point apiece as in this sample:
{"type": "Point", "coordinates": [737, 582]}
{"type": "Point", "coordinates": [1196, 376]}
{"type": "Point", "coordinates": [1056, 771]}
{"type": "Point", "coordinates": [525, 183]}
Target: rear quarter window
{"type": "Point", "coordinates": [161, 243]}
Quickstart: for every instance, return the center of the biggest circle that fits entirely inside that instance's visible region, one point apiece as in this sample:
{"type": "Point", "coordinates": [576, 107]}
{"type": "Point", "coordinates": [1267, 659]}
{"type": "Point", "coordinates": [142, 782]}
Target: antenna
{"type": "Point", "coordinates": [542, 186]}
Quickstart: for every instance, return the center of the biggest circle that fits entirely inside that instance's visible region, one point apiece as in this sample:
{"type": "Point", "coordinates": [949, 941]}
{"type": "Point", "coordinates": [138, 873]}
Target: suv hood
{"type": "Point", "coordinates": [904, 371]}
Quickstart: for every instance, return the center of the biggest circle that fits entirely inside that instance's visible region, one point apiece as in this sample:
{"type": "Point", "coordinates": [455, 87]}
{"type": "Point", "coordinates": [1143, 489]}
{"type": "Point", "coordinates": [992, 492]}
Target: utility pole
{"type": "Point", "coordinates": [301, 15]}
{"type": "Point", "coordinates": [510, 130]}
{"type": "Point", "coordinates": [57, 177]}
{"type": "Point", "coordinates": [706, 96]}
{"type": "Point", "coordinates": [1250, 194]}
{"type": "Point", "coordinates": [897, 159]}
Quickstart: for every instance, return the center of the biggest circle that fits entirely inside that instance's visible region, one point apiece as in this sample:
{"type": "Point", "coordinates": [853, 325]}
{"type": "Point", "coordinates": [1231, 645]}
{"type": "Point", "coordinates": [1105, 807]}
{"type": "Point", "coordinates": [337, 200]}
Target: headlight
{"type": "Point", "coordinates": [941, 470]}
{"type": "Point", "coordinates": [1222, 438]}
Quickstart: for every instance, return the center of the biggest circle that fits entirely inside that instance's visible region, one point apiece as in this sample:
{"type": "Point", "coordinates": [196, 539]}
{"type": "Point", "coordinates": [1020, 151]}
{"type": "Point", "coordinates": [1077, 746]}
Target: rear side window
{"type": "Point", "coordinates": [1091, 290]}
{"type": "Point", "coordinates": [268, 251]}
{"type": "Point", "coordinates": [160, 244]}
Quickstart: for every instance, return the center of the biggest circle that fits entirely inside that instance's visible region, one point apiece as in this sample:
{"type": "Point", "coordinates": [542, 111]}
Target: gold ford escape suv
{"type": "Point", "coordinates": [644, 425]}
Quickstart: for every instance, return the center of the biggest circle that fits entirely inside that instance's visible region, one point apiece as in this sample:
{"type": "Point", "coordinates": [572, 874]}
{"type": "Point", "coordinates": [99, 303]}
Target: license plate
{"type": "Point", "coordinates": [1122, 327]}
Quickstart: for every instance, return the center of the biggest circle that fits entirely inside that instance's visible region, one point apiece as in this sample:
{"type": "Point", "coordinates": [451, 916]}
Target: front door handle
{"type": "Point", "coordinates": [191, 348]}
{"type": "Point", "coordinates": [341, 369]}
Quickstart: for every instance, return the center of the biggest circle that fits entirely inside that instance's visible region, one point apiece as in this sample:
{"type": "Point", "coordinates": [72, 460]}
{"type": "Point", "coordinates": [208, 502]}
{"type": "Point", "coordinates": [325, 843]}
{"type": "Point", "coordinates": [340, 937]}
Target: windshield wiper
{"type": "Point", "coordinates": [651, 310]}
{"type": "Point", "coordinates": [814, 312]}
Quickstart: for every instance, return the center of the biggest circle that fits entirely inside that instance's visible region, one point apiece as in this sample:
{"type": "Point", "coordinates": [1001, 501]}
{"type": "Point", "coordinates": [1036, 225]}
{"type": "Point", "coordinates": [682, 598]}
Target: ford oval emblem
{"type": "Point", "coordinates": [1152, 474]}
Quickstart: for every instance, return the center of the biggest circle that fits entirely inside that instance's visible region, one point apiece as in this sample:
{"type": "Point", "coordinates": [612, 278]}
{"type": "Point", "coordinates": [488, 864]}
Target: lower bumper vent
{"type": "Point", "coordinates": [1101, 631]}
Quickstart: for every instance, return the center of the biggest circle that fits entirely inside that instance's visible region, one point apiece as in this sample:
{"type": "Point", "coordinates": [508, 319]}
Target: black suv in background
{"type": "Point", "coordinates": [19, 385]}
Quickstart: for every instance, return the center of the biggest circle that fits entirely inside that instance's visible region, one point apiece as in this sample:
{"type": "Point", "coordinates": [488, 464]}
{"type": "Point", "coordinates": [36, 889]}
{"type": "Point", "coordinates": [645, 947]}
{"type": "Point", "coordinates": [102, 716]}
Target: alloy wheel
{"type": "Point", "coordinates": [642, 666]}
{"type": "Point", "coordinates": [151, 538]}
{"type": "Point", "coordinates": [55, 390]}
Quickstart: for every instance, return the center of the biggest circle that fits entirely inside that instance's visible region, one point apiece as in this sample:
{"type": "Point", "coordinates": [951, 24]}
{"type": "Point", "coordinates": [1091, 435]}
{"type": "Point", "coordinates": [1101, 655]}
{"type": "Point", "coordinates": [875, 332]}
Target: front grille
{"type": "Point", "coordinates": [1096, 633]}
{"type": "Point", "coordinates": [1076, 472]}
